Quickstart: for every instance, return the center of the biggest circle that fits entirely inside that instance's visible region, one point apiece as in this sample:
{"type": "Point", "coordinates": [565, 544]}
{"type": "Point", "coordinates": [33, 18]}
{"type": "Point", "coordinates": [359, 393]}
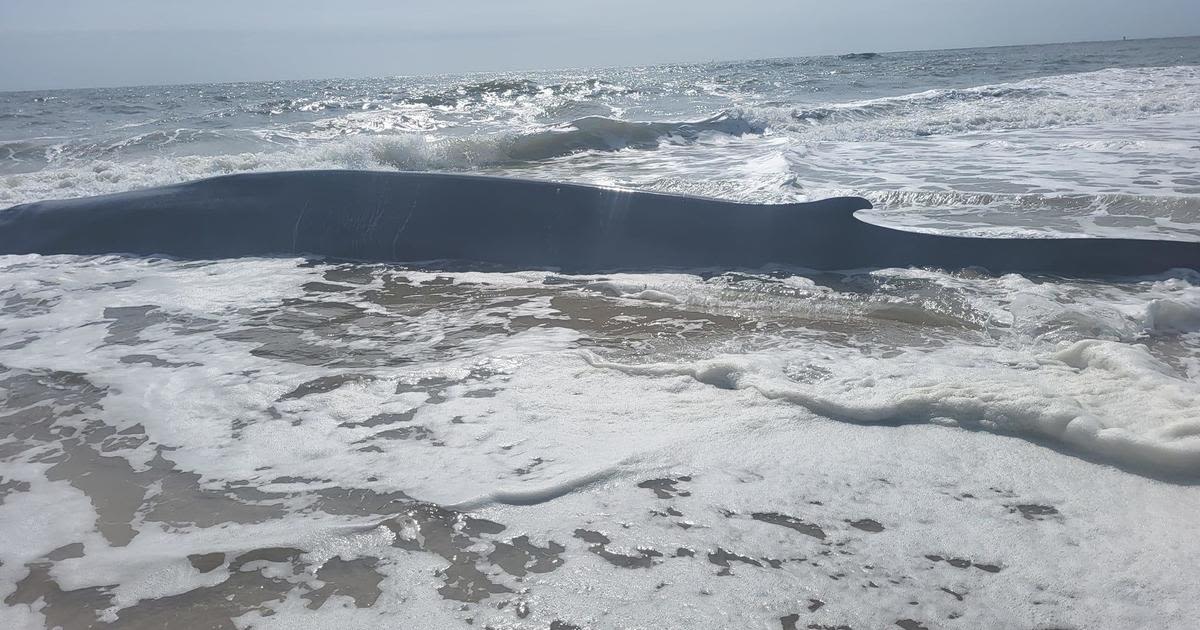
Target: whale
{"type": "Point", "coordinates": [509, 223]}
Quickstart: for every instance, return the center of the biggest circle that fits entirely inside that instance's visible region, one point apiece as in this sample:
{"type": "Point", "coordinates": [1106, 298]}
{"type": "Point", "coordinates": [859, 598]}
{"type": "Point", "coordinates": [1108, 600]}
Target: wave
{"type": "Point", "coordinates": [491, 92]}
{"type": "Point", "coordinates": [592, 133]}
{"type": "Point", "coordinates": [125, 109]}
{"type": "Point", "coordinates": [1036, 215]}
{"type": "Point", "coordinates": [94, 169]}
{"type": "Point", "coordinates": [514, 137]}
{"type": "Point", "coordinates": [1101, 96]}
{"type": "Point", "coordinates": [23, 150]}
{"type": "Point", "coordinates": [597, 133]}
{"type": "Point", "coordinates": [1093, 409]}
{"type": "Point", "coordinates": [1181, 207]}
{"type": "Point", "coordinates": [512, 88]}
{"type": "Point", "coordinates": [29, 155]}
{"type": "Point", "coordinates": [1053, 101]}
{"type": "Point", "coordinates": [880, 108]}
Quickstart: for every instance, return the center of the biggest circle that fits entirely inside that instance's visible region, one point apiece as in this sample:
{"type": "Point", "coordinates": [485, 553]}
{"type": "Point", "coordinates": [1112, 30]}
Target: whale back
{"type": "Point", "coordinates": [382, 216]}
{"type": "Point", "coordinates": [412, 217]}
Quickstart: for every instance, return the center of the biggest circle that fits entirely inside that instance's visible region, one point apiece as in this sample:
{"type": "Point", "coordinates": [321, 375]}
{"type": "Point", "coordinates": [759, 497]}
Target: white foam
{"type": "Point", "coordinates": [1115, 94]}
{"type": "Point", "coordinates": [35, 522]}
{"type": "Point", "coordinates": [545, 438]}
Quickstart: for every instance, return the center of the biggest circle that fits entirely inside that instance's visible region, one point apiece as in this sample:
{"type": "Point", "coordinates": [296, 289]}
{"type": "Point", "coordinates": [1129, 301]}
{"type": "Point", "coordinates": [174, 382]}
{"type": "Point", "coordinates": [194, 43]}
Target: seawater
{"type": "Point", "coordinates": [288, 442]}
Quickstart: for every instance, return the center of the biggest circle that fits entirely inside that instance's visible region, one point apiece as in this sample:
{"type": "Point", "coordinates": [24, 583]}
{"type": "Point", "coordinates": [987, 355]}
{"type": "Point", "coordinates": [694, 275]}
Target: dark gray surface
{"type": "Point", "coordinates": [410, 217]}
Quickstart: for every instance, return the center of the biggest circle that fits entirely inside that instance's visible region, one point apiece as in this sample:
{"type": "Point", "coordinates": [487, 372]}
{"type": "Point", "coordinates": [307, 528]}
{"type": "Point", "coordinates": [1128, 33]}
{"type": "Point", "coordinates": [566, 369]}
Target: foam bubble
{"type": "Point", "coordinates": [727, 441]}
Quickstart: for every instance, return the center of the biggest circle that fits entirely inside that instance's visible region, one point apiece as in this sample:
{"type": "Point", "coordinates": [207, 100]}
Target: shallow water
{"type": "Point", "coordinates": [303, 443]}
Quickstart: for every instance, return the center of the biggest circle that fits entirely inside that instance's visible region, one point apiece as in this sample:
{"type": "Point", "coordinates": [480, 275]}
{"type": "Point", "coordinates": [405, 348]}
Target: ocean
{"type": "Point", "coordinates": [298, 442]}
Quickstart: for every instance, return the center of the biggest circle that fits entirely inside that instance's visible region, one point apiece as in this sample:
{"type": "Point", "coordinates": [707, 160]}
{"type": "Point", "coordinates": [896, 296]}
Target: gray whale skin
{"type": "Point", "coordinates": [513, 223]}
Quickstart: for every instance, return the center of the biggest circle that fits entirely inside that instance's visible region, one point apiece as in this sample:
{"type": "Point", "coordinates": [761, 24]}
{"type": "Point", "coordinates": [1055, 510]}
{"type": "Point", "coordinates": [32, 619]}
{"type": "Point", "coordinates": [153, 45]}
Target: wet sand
{"type": "Point", "coordinates": [606, 507]}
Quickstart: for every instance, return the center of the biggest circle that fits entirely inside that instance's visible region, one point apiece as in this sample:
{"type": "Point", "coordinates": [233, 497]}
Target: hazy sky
{"type": "Point", "coordinates": [77, 43]}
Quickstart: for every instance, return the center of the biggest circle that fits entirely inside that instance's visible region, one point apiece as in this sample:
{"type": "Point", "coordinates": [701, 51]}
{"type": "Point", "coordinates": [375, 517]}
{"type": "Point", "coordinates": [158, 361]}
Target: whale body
{"type": "Point", "coordinates": [514, 223]}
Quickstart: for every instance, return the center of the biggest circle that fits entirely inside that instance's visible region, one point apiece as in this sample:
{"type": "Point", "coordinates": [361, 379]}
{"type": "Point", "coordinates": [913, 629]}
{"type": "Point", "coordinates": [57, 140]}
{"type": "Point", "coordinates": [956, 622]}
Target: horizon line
{"type": "Point", "coordinates": [561, 69]}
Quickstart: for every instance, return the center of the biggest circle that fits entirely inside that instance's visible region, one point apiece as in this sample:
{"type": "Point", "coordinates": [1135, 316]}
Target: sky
{"type": "Point", "coordinates": [90, 43]}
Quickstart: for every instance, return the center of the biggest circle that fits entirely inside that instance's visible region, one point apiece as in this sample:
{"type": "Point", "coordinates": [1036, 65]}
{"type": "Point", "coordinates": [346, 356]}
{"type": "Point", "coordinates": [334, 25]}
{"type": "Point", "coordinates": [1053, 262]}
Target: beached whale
{"type": "Point", "coordinates": [514, 223]}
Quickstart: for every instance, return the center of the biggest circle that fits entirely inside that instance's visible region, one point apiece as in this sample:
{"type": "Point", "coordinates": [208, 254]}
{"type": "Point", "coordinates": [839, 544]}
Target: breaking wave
{"type": "Point", "coordinates": [1076, 99]}
{"type": "Point", "coordinates": [401, 151]}
{"type": "Point", "coordinates": [593, 133]}
{"type": "Point", "coordinates": [498, 91]}
{"type": "Point", "coordinates": [1093, 413]}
